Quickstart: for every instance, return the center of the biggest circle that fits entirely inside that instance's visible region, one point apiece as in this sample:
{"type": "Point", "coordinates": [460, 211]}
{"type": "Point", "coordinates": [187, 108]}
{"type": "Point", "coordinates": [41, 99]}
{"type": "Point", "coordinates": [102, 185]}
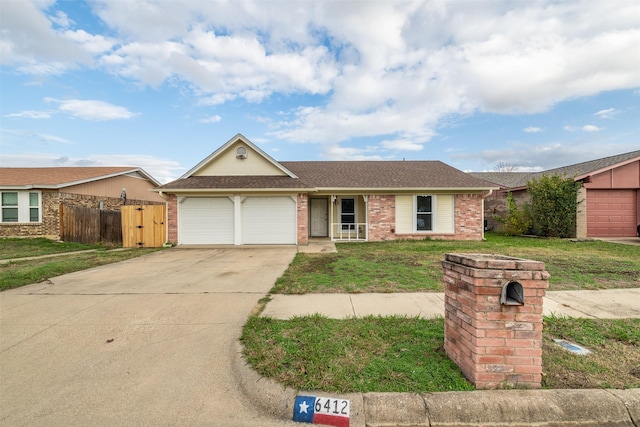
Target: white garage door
{"type": "Point", "coordinates": [269, 220]}
{"type": "Point", "coordinates": [206, 220]}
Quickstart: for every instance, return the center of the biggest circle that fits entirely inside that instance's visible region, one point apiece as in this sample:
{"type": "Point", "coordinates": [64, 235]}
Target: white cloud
{"type": "Point", "coordinates": [591, 128]}
{"type": "Point", "coordinates": [212, 119]}
{"type": "Point", "coordinates": [401, 145]}
{"type": "Point", "coordinates": [538, 157]}
{"type": "Point", "coordinates": [394, 70]}
{"type": "Point", "coordinates": [609, 113]}
{"type": "Point", "coordinates": [335, 152]}
{"type": "Point", "coordinates": [30, 43]}
{"type": "Point", "coordinates": [570, 128]}
{"type": "Point", "coordinates": [532, 129]}
{"type": "Point", "coordinates": [91, 109]}
{"type": "Point", "coordinates": [31, 114]}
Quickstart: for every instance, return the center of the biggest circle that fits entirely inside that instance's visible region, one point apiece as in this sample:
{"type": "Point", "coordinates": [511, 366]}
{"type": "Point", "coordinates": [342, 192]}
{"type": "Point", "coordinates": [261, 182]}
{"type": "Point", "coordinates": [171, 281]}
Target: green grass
{"type": "Point", "coordinates": [11, 248]}
{"type": "Point", "coordinates": [415, 266]}
{"type": "Point", "coordinates": [18, 273]}
{"type": "Point", "coordinates": [359, 355]}
{"type": "Point", "coordinates": [400, 354]}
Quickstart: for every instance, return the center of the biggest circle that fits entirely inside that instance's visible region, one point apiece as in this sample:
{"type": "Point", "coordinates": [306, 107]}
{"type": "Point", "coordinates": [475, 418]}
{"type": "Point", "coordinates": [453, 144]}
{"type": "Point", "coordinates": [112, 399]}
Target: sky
{"type": "Point", "coordinates": [161, 84]}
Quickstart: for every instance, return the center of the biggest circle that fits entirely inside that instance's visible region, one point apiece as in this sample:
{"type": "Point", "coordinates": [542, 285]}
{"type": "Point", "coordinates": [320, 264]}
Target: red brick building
{"type": "Point", "coordinates": [239, 195]}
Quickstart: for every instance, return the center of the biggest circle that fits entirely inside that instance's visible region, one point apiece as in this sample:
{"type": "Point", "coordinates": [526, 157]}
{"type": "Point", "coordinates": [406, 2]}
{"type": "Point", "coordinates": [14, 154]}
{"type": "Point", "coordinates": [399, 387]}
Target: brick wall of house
{"type": "Point", "coordinates": [303, 218]}
{"type": "Point", "coordinates": [381, 210]}
{"type": "Point", "coordinates": [50, 225]}
{"type": "Point", "coordinates": [172, 219]}
{"type": "Point", "coordinates": [467, 219]}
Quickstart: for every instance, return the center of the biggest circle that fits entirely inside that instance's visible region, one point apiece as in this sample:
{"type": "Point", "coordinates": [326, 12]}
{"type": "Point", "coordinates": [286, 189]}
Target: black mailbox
{"type": "Point", "coordinates": [512, 294]}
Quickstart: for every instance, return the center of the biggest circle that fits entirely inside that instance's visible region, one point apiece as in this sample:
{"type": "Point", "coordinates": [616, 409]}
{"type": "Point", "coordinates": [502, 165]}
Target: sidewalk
{"type": "Point", "coordinates": [600, 304]}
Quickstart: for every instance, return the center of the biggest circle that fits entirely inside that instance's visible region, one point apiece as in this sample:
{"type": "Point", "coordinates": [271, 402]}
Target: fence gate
{"type": "Point", "coordinates": [143, 226]}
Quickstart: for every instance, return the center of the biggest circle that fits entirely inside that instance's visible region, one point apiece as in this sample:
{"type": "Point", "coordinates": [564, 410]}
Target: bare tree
{"type": "Point", "coordinates": [506, 167]}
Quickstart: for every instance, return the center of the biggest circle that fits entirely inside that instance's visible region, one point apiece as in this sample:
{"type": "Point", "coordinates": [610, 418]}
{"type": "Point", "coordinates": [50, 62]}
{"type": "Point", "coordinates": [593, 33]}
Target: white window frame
{"type": "Point", "coordinates": [24, 206]}
{"type": "Point", "coordinates": [433, 213]}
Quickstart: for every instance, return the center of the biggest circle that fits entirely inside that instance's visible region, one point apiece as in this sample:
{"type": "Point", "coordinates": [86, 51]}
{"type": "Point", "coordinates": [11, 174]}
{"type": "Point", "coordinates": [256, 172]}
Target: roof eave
{"type": "Point", "coordinates": [606, 168]}
{"type": "Point", "coordinates": [402, 189]}
{"type": "Point", "coordinates": [233, 190]}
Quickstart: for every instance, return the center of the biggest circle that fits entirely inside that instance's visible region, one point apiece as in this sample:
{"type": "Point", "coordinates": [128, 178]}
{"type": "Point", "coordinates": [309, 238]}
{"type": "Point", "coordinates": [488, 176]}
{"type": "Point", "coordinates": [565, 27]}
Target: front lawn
{"type": "Point", "coordinates": [11, 247]}
{"type": "Point", "coordinates": [399, 354]}
{"type": "Point", "coordinates": [414, 266]}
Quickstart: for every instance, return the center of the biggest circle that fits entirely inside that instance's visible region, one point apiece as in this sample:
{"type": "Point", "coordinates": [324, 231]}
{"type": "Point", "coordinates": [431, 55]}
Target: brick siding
{"type": "Point", "coordinates": [303, 219]}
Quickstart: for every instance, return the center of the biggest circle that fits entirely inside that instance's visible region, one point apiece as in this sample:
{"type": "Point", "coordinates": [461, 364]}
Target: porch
{"type": "Point", "coordinates": [340, 218]}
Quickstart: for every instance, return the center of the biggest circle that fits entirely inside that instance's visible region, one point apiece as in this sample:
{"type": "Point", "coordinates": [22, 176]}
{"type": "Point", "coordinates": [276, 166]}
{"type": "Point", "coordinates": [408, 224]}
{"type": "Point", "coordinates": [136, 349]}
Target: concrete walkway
{"type": "Point", "coordinates": [601, 304]}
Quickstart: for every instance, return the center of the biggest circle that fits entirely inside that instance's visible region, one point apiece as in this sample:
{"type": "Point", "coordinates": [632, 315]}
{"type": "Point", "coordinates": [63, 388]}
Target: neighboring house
{"type": "Point", "coordinates": [609, 199]}
{"type": "Point", "coordinates": [30, 198]}
{"type": "Point", "coordinates": [239, 195]}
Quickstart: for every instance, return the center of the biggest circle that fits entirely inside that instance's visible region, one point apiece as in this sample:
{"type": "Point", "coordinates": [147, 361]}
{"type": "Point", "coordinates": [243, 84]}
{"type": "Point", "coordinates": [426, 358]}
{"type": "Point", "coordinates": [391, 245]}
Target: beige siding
{"type": "Point", "coordinates": [444, 213]}
{"type": "Point", "coordinates": [404, 214]}
{"type": "Point", "coordinates": [137, 188]}
{"type": "Point", "coordinates": [226, 164]}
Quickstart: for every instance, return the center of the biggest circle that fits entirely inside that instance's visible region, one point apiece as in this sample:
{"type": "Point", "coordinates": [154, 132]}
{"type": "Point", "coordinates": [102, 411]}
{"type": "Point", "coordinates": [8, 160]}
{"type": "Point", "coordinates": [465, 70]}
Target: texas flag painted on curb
{"type": "Point", "coordinates": [321, 410]}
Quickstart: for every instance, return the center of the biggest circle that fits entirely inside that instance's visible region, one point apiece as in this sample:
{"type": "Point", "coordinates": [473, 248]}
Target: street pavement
{"type": "Point", "coordinates": [149, 341]}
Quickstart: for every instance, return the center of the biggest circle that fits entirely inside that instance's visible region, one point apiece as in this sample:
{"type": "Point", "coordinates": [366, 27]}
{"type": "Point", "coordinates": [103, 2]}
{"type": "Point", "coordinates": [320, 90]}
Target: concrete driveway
{"type": "Point", "coordinates": [148, 341]}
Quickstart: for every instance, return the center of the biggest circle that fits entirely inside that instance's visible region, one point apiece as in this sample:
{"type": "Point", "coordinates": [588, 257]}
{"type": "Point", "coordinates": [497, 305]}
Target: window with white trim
{"type": "Point", "coordinates": [348, 214]}
{"type": "Point", "coordinates": [20, 206]}
{"type": "Point", "coordinates": [424, 213]}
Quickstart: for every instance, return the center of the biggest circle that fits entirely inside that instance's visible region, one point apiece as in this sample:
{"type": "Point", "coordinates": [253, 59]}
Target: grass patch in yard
{"type": "Point", "coordinates": [400, 354]}
{"type": "Point", "coordinates": [19, 273]}
{"type": "Point", "coordinates": [366, 354]}
{"type": "Point", "coordinates": [613, 363]}
{"type": "Point", "coordinates": [28, 247]}
{"type": "Point", "coordinates": [415, 266]}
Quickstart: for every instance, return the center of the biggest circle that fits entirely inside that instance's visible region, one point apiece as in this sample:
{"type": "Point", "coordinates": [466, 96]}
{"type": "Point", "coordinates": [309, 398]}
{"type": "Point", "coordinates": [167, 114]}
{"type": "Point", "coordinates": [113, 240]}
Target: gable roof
{"type": "Point", "coordinates": [225, 146]}
{"type": "Point", "coordinates": [578, 170]}
{"type": "Point", "coordinates": [60, 177]}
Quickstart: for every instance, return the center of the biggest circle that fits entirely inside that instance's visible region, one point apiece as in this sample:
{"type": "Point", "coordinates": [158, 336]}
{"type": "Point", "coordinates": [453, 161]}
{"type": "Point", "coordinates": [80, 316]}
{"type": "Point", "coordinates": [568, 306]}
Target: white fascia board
{"type": "Point", "coordinates": [403, 189]}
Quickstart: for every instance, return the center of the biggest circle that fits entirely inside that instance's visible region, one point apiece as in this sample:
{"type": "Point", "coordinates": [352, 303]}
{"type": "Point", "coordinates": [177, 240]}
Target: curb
{"type": "Point", "coordinates": [481, 408]}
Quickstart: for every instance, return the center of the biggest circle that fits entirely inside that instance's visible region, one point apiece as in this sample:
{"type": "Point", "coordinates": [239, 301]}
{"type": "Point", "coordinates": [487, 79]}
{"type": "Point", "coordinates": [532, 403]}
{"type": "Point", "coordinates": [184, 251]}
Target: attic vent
{"type": "Point", "coordinates": [241, 153]}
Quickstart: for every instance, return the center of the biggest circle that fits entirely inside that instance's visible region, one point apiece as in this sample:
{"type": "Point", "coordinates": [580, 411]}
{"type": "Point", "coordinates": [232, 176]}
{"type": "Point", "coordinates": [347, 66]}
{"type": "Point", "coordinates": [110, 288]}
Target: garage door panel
{"type": "Point", "coordinates": [611, 213]}
{"type": "Point", "coordinates": [269, 220]}
{"type": "Point", "coordinates": [206, 220]}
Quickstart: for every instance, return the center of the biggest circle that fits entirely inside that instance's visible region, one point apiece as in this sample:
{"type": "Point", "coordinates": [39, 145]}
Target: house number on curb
{"type": "Point", "coordinates": [321, 410]}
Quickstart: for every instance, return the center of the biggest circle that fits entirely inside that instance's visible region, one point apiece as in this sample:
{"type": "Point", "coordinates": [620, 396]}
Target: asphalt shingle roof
{"type": "Point", "coordinates": [520, 179]}
{"type": "Point", "coordinates": [57, 176]}
{"type": "Point", "coordinates": [345, 174]}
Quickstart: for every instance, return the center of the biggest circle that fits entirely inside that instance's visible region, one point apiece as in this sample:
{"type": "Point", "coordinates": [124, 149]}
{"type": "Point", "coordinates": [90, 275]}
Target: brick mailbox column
{"type": "Point", "coordinates": [493, 318]}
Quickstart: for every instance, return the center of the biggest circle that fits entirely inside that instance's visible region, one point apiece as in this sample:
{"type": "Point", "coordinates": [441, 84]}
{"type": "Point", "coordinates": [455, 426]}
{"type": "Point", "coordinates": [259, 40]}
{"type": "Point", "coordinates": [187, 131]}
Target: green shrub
{"type": "Point", "coordinates": [517, 221]}
{"type": "Point", "coordinates": [554, 205]}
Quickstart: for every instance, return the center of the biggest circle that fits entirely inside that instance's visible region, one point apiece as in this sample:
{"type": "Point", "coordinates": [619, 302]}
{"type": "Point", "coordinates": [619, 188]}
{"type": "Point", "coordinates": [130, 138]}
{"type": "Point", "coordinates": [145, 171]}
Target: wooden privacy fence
{"type": "Point", "coordinates": [143, 226]}
{"type": "Point", "coordinates": [90, 225]}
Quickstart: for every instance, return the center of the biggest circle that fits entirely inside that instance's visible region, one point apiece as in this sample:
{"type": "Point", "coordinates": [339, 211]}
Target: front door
{"type": "Point", "coordinates": [319, 221]}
